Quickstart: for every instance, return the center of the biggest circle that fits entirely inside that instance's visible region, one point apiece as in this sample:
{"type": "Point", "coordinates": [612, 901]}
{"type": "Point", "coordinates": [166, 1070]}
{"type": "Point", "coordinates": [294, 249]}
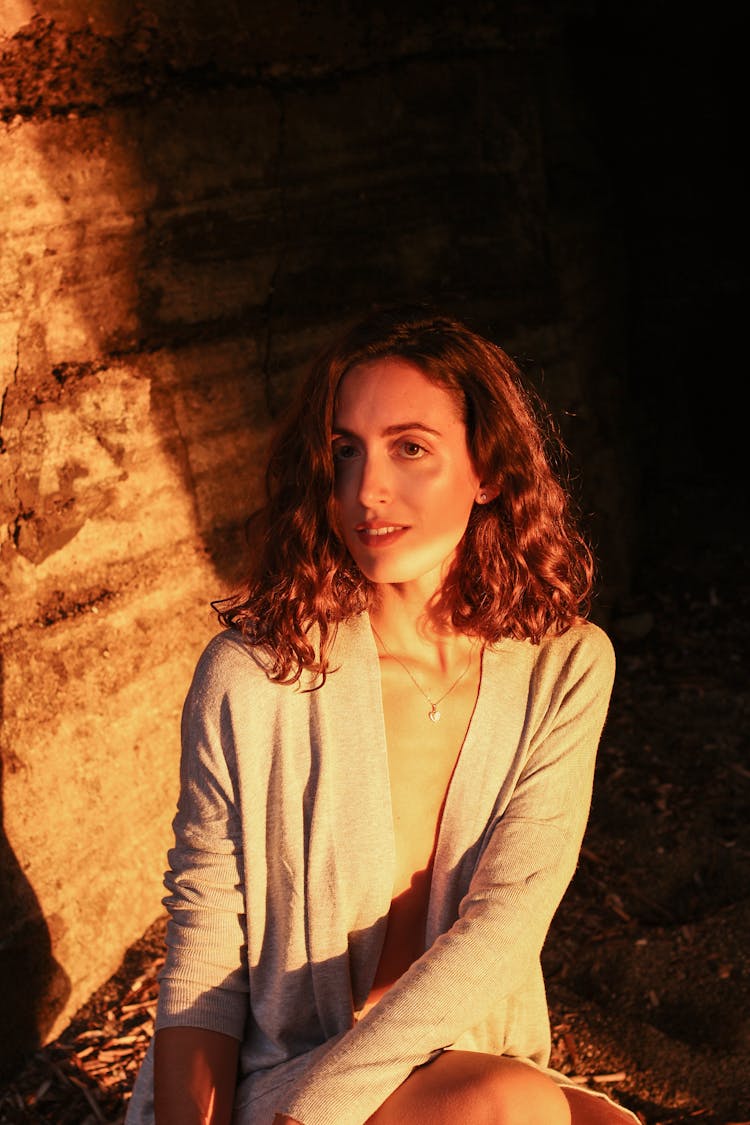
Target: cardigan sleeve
{"type": "Point", "coordinates": [204, 982]}
{"type": "Point", "coordinates": [527, 860]}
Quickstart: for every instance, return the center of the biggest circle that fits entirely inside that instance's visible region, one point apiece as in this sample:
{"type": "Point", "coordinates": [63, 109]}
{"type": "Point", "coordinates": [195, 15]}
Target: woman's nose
{"type": "Point", "coordinates": [374, 483]}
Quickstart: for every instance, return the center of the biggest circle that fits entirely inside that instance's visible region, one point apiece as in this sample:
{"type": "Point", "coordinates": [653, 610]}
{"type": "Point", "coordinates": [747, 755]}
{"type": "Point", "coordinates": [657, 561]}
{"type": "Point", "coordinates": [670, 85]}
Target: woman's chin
{"type": "Point", "coordinates": [412, 579]}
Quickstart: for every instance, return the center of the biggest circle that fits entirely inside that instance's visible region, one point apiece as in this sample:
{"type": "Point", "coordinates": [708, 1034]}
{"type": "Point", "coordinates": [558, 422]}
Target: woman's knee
{"type": "Point", "coordinates": [475, 1089]}
{"type": "Point", "coordinates": [516, 1093]}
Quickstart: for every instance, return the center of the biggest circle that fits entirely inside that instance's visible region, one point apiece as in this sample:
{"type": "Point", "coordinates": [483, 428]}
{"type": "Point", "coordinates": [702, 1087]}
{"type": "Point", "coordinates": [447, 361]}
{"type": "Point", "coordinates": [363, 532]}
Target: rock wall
{"type": "Point", "coordinates": [191, 204]}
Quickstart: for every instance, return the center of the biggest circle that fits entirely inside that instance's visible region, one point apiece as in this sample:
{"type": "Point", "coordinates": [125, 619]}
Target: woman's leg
{"type": "Point", "coordinates": [588, 1110]}
{"type": "Point", "coordinates": [475, 1089]}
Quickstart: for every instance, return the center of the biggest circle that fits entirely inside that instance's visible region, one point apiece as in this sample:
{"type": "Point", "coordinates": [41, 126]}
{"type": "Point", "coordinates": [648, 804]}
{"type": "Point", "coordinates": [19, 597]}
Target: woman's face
{"type": "Point", "coordinates": [405, 483]}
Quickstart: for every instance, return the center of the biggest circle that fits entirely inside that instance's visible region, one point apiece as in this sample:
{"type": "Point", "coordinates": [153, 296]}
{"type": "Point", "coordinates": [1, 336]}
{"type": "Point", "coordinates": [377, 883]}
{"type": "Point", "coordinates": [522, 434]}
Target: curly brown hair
{"type": "Point", "coordinates": [522, 569]}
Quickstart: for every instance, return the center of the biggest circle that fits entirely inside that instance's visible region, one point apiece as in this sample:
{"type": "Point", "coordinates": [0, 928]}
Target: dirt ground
{"type": "Point", "coordinates": [648, 958]}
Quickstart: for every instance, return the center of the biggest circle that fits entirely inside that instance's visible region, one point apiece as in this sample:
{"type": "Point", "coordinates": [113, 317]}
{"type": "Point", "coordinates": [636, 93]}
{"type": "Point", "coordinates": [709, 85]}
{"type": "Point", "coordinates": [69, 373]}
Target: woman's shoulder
{"type": "Point", "coordinates": [227, 651]}
{"type": "Point", "coordinates": [583, 651]}
{"type": "Point", "coordinates": [230, 667]}
{"type": "Point", "coordinates": [585, 639]}
{"type": "Point", "coordinates": [584, 648]}
{"type": "Point", "coordinates": [230, 660]}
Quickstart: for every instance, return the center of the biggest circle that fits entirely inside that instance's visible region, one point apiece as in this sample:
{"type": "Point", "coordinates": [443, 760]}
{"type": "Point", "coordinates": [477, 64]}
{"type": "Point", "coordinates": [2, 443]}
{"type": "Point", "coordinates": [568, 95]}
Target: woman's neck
{"type": "Point", "coordinates": [402, 623]}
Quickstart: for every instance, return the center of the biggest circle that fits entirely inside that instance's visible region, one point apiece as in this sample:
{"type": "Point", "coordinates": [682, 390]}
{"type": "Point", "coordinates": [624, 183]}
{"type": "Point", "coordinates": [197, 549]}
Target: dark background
{"type": "Point", "coordinates": [664, 87]}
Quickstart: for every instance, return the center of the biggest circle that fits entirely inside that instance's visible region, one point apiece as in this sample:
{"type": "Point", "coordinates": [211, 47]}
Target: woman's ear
{"type": "Point", "coordinates": [486, 493]}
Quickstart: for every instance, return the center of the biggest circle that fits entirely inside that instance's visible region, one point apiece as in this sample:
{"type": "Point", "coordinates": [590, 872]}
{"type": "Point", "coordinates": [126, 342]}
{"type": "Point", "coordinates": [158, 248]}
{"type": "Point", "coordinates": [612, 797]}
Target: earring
{"type": "Point", "coordinates": [482, 497]}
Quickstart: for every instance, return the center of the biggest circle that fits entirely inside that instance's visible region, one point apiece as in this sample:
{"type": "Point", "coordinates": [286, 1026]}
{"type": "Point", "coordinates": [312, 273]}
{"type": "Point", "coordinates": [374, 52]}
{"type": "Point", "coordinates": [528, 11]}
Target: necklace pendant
{"type": "Point", "coordinates": [434, 714]}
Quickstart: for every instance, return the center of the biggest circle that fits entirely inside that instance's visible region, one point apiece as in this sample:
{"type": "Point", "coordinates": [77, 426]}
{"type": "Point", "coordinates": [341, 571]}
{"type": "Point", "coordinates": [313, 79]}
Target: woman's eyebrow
{"type": "Point", "coordinates": [389, 431]}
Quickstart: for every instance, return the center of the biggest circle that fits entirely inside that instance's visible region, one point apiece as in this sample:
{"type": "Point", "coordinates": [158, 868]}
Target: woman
{"type": "Point", "coordinates": [387, 763]}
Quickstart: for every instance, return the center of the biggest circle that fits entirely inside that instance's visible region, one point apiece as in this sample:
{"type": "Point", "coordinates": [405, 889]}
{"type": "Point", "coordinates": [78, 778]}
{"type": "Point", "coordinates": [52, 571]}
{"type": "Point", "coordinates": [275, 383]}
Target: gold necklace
{"type": "Point", "coordinates": [433, 714]}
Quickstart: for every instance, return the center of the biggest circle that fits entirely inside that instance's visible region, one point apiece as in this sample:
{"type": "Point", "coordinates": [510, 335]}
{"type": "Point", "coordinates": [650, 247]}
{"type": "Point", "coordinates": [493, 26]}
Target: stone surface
{"type": "Point", "coordinates": [189, 208]}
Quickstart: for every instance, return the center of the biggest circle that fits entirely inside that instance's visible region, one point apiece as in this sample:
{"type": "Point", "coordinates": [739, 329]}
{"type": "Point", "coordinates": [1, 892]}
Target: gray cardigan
{"type": "Point", "coordinates": [280, 880]}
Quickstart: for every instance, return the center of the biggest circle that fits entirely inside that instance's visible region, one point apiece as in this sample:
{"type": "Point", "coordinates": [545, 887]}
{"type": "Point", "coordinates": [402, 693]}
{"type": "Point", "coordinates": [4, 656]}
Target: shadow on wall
{"type": "Point", "coordinates": [35, 987]}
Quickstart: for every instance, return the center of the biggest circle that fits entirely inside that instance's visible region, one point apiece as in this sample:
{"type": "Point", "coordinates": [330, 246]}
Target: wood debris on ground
{"type": "Point", "coordinates": [85, 1076]}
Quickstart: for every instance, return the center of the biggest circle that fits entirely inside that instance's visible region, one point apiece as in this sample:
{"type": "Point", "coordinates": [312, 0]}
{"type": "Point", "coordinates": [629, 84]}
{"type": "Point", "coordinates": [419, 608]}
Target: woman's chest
{"type": "Point", "coordinates": [422, 756]}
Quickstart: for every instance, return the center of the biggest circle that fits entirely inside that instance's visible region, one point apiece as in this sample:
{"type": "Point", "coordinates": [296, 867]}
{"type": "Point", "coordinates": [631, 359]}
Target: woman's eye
{"type": "Point", "coordinates": [343, 452]}
{"type": "Point", "coordinates": [412, 450]}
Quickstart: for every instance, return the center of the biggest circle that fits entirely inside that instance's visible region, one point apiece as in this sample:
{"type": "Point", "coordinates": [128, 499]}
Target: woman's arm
{"type": "Point", "coordinates": [195, 1072]}
{"type": "Point", "coordinates": [203, 986]}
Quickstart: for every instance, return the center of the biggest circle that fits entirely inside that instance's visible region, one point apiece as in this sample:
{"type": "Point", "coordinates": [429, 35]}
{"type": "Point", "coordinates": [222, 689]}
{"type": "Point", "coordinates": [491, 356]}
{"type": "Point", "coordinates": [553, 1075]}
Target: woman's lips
{"type": "Point", "coordinates": [380, 536]}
